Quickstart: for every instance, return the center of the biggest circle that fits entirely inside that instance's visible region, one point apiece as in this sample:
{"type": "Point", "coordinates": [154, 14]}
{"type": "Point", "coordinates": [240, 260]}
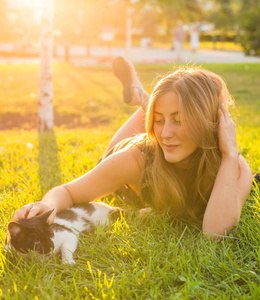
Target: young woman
{"type": "Point", "coordinates": [194, 39]}
{"type": "Point", "coordinates": [184, 161]}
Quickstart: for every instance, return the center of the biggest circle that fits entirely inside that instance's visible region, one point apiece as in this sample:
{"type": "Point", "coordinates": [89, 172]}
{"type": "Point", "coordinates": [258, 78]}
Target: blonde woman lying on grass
{"type": "Point", "coordinates": [177, 154]}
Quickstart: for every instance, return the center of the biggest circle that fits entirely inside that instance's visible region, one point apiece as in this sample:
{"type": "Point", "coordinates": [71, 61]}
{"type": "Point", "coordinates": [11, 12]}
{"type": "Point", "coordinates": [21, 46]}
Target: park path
{"type": "Point", "coordinates": [163, 55]}
{"type": "Point", "coordinates": [138, 55]}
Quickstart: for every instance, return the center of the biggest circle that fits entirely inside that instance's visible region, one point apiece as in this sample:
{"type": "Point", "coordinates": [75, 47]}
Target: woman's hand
{"type": "Point", "coordinates": [227, 133]}
{"type": "Point", "coordinates": [32, 209]}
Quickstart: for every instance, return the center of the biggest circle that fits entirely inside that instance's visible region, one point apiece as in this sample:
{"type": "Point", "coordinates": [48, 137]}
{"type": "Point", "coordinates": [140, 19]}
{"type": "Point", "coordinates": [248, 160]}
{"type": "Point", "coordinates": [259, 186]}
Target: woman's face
{"type": "Point", "coordinates": [175, 144]}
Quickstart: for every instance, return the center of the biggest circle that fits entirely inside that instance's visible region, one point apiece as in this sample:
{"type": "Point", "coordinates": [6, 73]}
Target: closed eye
{"type": "Point", "coordinates": [159, 121]}
{"type": "Point", "coordinates": [177, 122]}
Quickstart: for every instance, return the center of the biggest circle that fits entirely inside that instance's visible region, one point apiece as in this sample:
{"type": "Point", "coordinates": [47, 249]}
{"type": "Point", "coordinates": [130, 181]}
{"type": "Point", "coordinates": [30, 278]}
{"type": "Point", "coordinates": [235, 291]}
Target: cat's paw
{"type": "Point", "coordinates": [69, 261]}
{"type": "Point", "coordinates": [144, 211]}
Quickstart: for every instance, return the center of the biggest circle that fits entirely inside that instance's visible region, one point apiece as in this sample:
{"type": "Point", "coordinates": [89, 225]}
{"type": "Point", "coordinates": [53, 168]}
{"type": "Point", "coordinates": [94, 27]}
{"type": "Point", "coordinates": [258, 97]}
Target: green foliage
{"type": "Point", "coordinates": [222, 14]}
{"type": "Point", "coordinates": [250, 36]}
{"type": "Point", "coordinates": [149, 258]}
{"type": "Point", "coordinates": [174, 11]}
{"type": "Point", "coordinates": [242, 18]}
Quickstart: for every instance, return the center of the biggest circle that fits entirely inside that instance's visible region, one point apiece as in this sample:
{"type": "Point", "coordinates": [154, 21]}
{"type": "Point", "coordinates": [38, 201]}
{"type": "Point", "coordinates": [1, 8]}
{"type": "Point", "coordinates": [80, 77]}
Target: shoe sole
{"type": "Point", "coordinates": [121, 71]}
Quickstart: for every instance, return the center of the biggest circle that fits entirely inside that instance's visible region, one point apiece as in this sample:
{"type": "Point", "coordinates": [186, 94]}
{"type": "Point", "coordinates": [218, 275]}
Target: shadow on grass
{"type": "Point", "coordinates": [49, 165]}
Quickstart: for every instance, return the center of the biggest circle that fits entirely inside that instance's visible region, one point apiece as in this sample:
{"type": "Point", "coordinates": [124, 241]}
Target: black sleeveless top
{"type": "Point", "coordinates": [129, 195]}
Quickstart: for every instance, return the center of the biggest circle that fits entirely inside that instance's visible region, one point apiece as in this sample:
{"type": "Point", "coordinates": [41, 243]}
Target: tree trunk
{"type": "Point", "coordinates": [46, 94]}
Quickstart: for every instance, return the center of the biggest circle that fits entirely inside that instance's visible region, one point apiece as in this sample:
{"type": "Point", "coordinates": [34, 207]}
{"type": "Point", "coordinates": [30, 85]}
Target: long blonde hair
{"type": "Point", "coordinates": [201, 94]}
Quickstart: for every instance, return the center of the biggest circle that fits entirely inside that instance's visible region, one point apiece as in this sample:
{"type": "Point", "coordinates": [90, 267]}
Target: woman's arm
{"type": "Point", "coordinates": [231, 187]}
{"type": "Point", "coordinates": [123, 167]}
{"type": "Point", "coordinates": [229, 193]}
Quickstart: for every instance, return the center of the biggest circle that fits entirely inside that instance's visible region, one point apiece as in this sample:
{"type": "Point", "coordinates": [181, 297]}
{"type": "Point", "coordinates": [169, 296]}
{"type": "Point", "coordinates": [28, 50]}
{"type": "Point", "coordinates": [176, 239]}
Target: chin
{"type": "Point", "coordinates": [174, 159]}
{"type": "Point", "coordinates": [171, 159]}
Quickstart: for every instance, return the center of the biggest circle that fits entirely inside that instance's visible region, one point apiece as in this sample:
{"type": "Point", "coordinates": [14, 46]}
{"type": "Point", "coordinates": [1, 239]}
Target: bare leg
{"type": "Point", "coordinates": [133, 126]}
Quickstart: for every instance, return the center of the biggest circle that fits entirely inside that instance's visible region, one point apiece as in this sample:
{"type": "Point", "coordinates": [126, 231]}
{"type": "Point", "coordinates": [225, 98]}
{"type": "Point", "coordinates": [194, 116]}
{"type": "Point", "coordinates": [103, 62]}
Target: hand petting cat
{"type": "Point", "coordinates": [32, 209]}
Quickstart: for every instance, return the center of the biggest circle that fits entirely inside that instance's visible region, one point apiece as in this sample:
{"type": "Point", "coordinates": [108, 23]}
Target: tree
{"type": "Point", "coordinates": [172, 11]}
{"type": "Point", "coordinates": [223, 15]}
{"type": "Point", "coordinates": [46, 94]}
{"type": "Point", "coordinates": [149, 18]}
{"type": "Point", "coordinates": [250, 25]}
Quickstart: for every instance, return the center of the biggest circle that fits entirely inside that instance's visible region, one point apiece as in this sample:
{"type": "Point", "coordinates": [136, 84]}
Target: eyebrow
{"type": "Point", "coordinates": [172, 114]}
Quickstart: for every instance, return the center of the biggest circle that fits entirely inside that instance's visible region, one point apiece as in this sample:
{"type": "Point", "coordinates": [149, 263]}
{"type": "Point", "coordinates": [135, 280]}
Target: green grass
{"type": "Point", "coordinates": [153, 258]}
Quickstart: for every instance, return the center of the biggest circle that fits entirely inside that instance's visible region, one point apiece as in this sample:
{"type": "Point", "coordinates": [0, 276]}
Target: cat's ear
{"type": "Point", "coordinates": [44, 217]}
{"type": "Point", "coordinates": [14, 228]}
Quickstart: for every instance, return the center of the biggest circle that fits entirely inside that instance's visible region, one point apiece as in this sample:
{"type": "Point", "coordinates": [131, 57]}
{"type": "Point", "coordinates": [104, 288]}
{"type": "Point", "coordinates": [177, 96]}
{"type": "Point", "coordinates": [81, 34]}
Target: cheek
{"type": "Point", "coordinates": [180, 134]}
{"type": "Point", "coordinates": [188, 141]}
{"type": "Point", "coordinates": [191, 145]}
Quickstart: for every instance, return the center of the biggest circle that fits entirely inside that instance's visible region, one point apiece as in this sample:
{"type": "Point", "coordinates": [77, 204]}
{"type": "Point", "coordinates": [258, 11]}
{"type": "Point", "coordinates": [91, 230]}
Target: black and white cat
{"type": "Point", "coordinates": [35, 234]}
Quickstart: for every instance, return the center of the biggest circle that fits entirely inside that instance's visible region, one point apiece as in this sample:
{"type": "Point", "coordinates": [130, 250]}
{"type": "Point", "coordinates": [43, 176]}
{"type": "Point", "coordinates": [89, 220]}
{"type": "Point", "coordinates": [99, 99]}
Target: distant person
{"type": "Point", "coordinates": [183, 162]}
{"type": "Point", "coordinates": [194, 39]}
{"type": "Point", "coordinates": [179, 39]}
{"type": "Point", "coordinates": [214, 42]}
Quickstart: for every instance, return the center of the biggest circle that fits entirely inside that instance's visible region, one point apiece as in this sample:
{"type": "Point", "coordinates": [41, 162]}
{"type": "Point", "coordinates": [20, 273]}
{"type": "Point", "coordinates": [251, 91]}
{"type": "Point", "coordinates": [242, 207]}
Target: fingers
{"type": "Point", "coordinates": [223, 112]}
{"type": "Point", "coordinates": [35, 210]}
{"type": "Point", "coordinates": [32, 209]}
{"type": "Point", "coordinates": [227, 132]}
{"type": "Point", "coordinates": [22, 212]}
{"type": "Point", "coordinates": [27, 211]}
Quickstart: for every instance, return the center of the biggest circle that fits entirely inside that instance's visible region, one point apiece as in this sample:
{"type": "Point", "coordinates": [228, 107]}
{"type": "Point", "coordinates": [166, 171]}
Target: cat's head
{"type": "Point", "coordinates": [31, 234]}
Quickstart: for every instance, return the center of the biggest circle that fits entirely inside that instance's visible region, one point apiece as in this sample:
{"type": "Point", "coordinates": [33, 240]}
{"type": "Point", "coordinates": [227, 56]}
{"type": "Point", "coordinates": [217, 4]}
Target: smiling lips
{"type": "Point", "coordinates": [170, 147]}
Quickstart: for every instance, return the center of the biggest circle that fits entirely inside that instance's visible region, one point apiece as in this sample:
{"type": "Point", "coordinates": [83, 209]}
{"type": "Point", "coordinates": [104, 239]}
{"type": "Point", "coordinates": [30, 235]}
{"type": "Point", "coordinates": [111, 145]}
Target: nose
{"type": "Point", "coordinates": [167, 131]}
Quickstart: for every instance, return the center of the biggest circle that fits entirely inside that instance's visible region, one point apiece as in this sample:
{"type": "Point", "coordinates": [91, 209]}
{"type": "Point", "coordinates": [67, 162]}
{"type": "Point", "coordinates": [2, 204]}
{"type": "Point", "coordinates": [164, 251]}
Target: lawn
{"type": "Point", "coordinates": [152, 258]}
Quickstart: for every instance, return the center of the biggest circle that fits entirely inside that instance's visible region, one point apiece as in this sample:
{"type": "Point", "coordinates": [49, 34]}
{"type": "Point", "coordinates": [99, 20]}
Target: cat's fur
{"type": "Point", "coordinates": [35, 234]}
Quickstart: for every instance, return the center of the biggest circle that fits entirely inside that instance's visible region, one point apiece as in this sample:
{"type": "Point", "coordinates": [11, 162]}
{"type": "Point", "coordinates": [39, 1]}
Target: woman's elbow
{"type": "Point", "coordinates": [218, 233]}
{"type": "Point", "coordinates": [212, 236]}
